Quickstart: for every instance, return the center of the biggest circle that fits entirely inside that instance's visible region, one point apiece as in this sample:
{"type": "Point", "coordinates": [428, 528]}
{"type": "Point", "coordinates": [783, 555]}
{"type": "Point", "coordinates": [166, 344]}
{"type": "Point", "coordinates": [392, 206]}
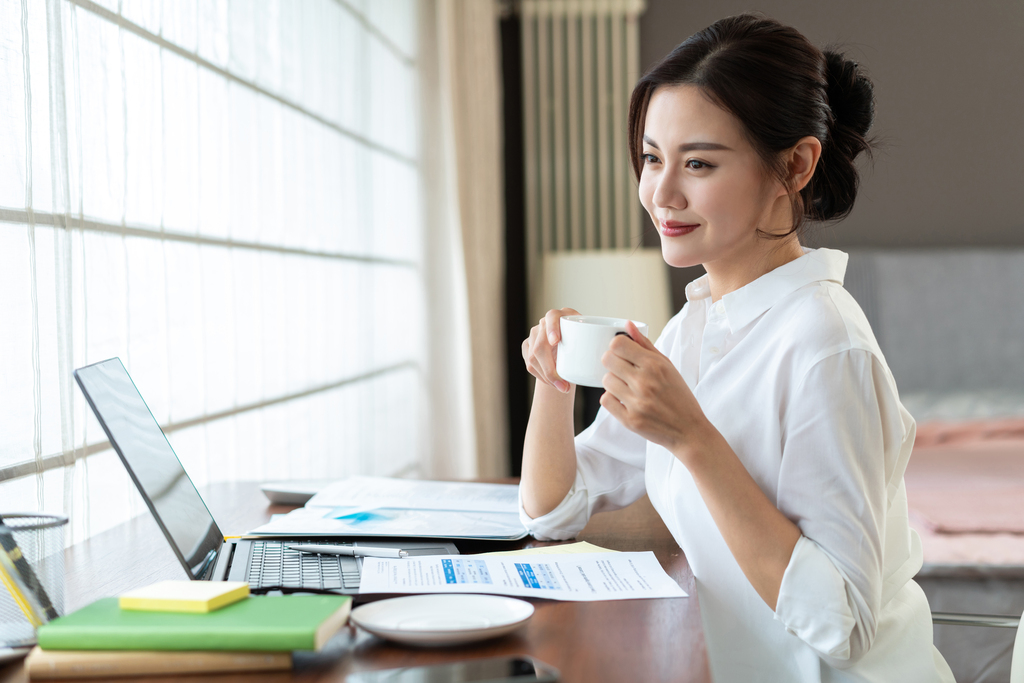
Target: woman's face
{"type": "Point", "coordinates": [703, 184]}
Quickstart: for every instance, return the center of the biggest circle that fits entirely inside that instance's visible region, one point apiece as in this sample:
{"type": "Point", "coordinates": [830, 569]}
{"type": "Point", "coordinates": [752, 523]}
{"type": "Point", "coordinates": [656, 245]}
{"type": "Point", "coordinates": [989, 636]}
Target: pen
{"type": "Point", "coordinates": [10, 547]}
{"type": "Point", "coordinates": [10, 580]}
{"type": "Point", "coordinates": [352, 550]}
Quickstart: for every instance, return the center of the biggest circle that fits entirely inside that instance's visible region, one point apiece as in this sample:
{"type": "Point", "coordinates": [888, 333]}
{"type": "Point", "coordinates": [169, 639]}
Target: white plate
{"type": "Point", "coordinates": [442, 619]}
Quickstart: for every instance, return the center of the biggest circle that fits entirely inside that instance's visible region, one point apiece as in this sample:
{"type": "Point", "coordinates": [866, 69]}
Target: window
{"type": "Point", "coordinates": [226, 195]}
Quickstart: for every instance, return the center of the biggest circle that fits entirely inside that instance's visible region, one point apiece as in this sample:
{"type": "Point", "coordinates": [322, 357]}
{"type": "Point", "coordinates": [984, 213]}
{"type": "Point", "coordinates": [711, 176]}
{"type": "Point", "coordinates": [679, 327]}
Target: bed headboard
{"type": "Point", "coordinates": [950, 322]}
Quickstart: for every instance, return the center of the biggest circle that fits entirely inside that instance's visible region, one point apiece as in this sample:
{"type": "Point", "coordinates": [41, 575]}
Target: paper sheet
{"type": "Point", "coordinates": [571, 576]}
{"type": "Point", "coordinates": [368, 493]}
{"type": "Point", "coordinates": [319, 521]}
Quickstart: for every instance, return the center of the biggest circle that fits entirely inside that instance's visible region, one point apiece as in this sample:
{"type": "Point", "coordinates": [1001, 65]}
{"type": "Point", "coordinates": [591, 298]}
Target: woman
{"type": "Point", "coordinates": [764, 423]}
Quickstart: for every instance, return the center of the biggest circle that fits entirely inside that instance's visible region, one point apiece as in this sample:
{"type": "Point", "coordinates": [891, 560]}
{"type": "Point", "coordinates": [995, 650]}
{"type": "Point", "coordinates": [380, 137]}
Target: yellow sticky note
{"type": "Point", "coordinates": [564, 549]}
{"type": "Point", "coordinates": [184, 596]}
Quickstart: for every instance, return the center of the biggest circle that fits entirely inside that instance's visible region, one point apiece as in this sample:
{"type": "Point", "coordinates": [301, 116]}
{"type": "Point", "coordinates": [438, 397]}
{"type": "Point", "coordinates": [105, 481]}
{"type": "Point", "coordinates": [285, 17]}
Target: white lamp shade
{"type": "Point", "coordinates": [618, 283]}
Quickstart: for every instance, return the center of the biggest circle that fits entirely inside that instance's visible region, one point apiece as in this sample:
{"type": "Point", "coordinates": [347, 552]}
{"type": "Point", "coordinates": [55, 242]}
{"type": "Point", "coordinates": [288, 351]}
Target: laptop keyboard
{"type": "Point", "coordinates": [274, 565]}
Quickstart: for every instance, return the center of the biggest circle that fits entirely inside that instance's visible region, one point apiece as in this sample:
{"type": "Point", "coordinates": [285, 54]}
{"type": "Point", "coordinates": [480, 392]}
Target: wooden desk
{"type": "Point", "coordinates": [589, 642]}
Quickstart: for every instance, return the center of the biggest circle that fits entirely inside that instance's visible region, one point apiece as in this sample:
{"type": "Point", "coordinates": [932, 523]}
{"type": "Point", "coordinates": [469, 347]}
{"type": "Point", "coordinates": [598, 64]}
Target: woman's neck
{"type": "Point", "coordinates": [728, 275]}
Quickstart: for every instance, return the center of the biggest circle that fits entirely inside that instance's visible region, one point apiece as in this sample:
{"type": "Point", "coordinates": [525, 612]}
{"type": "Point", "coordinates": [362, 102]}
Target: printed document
{"type": "Point", "coordinates": [383, 506]}
{"type": "Point", "coordinates": [415, 494]}
{"type": "Point", "coordinates": [572, 576]}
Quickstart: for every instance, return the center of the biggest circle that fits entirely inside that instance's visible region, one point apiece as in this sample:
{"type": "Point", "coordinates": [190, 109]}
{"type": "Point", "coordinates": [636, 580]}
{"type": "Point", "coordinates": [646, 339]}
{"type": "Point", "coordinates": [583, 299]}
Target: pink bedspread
{"type": "Point", "coordinates": [969, 432]}
{"type": "Point", "coordinates": [965, 489]}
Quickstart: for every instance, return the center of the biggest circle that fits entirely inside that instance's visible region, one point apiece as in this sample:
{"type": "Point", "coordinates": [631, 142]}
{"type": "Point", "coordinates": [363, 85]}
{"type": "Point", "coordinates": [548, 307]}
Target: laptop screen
{"type": "Point", "coordinates": [152, 464]}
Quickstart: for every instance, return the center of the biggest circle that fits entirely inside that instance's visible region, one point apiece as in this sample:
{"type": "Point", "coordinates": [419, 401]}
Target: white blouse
{"type": "Point", "coordinates": [788, 370]}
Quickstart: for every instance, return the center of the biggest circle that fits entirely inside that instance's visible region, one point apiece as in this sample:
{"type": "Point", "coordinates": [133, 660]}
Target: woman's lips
{"type": "Point", "coordinates": [677, 229]}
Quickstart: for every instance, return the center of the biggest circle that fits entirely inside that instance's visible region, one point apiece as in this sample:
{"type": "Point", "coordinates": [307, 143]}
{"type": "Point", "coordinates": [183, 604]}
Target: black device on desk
{"type": "Point", "coordinates": [183, 516]}
{"type": "Point", "coordinates": [496, 670]}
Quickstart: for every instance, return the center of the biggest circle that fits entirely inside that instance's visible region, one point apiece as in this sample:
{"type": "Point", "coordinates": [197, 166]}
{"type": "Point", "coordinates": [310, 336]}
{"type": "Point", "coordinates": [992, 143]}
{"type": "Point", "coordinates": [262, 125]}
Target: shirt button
{"type": "Point", "coordinates": [714, 349]}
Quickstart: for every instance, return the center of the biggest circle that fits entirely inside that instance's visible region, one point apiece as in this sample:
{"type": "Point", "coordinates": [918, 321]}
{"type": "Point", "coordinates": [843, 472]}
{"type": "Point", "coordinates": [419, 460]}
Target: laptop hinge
{"type": "Point", "coordinates": [238, 566]}
{"type": "Point", "coordinates": [223, 564]}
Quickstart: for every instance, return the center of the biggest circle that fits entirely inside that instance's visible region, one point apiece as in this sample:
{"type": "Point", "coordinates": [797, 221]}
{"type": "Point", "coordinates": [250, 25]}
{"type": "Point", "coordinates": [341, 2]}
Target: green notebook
{"type": "Point", "coordinates": [265, 623]}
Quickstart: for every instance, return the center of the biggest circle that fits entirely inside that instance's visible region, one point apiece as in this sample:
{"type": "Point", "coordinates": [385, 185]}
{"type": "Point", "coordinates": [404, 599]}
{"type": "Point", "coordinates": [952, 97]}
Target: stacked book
{"type": "Point", "coordinates": [180, 627]}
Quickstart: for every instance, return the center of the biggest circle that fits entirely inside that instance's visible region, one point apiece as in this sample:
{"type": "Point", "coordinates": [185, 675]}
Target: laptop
{"type": "Point", "coordinates": [184, 518]}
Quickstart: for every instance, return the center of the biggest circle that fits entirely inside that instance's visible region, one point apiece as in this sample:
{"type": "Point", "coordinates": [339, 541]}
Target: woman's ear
{"type": "Point", "coordinates": [803, 159]}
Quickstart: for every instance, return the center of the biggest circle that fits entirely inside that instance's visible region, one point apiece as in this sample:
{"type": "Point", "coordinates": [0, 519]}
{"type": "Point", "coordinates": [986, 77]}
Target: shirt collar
{"type": "Point", "coordinates": [753, 299]}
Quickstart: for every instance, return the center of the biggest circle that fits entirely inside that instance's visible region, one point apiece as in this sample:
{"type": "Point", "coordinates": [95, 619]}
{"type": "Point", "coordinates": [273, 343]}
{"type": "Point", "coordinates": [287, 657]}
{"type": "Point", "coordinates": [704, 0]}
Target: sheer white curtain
{"type": "Point", "coordinates": [468, 85]}
{"type": "Point", "coordinates": [230, 196]}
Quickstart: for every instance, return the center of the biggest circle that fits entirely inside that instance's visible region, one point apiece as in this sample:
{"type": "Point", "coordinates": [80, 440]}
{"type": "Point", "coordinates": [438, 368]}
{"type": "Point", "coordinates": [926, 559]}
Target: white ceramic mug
{"type": "Point", "coordinates": [585, 338]}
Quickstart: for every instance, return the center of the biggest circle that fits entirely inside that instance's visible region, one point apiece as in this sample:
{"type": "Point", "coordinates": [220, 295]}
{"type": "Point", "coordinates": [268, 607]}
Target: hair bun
{"type": "Point", "coordinates": [852, 102]}
{"type": "Point", "coordinates": [849, 92]}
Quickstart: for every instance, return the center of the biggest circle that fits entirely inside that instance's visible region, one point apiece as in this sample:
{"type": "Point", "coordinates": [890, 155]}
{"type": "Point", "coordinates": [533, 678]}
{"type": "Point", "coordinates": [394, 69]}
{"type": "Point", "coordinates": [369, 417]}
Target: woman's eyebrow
{"type": "Point", "coordinates": [693, 146]}
{"type": "Point", "coordinates": [703, 147]}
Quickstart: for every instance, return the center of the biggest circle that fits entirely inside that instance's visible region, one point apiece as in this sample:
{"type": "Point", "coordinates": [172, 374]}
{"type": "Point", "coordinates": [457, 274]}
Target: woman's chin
{"type": "Point", "coordinates": [679, 258]}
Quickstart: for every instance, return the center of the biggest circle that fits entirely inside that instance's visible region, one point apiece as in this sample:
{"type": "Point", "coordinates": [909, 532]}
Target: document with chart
{"type": "Point", "coordinates": [577, 576]}
{"type": "Point", "coordinates": [389, 507]}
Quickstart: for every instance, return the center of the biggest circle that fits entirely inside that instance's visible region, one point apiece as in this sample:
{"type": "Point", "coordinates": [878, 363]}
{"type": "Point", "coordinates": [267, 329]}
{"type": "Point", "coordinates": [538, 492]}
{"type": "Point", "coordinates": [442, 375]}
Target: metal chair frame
{"type": "Point", "coordinates": [995, 621]}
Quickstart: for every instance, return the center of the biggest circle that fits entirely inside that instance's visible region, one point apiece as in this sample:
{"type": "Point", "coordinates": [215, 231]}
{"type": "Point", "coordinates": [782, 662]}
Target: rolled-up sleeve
{"type": "Point", "coordinates": [842, 444]}
{"type": "Point", "coordinates": [609, 475]}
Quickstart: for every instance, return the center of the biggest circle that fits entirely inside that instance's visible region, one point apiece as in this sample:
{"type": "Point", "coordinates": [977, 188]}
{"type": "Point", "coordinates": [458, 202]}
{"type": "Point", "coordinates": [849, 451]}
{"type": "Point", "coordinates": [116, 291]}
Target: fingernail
{"type": "Point", "coordinates": [552, 339]}
{"type": "Point", "coordinates": [562, 386]}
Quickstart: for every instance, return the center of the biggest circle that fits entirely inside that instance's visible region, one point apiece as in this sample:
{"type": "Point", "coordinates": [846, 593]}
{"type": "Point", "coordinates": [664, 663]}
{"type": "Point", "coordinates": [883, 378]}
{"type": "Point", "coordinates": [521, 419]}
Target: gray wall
{"type": "Point", "coordinates": [949, 89]}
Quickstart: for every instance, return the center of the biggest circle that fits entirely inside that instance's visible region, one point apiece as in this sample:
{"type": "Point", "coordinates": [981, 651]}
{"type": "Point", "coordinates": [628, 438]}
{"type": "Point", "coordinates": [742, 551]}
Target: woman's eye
{"type": "Point", "coordinates": [696, 165]}
{"type": "Point", "coordinates": [649, 159]}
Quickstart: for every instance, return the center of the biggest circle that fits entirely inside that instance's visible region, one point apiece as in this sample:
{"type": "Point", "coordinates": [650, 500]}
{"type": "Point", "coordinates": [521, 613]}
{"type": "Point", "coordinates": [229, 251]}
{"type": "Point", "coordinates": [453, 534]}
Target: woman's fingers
{"type": "Point", "coordinates": [616, 363]}
{"type": "Point", "coordinates": [627, 348]}
{"type": "Point", "coordinates": [615, 407]}
{"type": "Point", "coordinates": [544, 358]}
{"type": "Point", "coordinates": [635, 335]}
{"type": "Point", "coordinates": [617, 387]}
{"type": "Point", "coordinates": [554, 327]}
{"type": "Point", "coordinates": [540, 350]}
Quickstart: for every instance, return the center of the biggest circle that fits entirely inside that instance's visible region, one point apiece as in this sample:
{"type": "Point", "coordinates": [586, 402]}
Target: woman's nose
{"type": "Point", "coordinates": [668, 193]}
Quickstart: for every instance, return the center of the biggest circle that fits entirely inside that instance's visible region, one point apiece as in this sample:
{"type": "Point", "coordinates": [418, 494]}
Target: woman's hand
{"type": "Point", "coordinates": [540, 348]}
{"type": "Point", "coordinates": [645, 392]}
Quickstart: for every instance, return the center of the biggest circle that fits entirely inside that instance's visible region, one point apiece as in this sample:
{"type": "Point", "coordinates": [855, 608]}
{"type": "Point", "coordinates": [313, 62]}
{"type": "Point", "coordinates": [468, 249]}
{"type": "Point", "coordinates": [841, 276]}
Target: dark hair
{"type": "Point", "coordinates": [781, 88]}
